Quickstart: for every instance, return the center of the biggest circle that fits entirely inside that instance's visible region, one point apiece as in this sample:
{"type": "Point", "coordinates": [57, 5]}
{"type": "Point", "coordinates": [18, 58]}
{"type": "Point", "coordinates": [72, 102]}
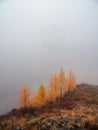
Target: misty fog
{"type": "Point", "coordinates": [38, 37]}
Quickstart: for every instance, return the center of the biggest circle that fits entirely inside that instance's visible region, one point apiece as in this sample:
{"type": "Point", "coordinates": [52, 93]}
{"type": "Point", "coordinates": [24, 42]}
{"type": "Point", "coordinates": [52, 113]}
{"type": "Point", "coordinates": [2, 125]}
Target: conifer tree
{"type": "Point", "coordinates": [53, 88]}
{"type": "Point", "coordinates": [24, 97]}
{"type": "Point", "coordinates": [40, 96]}
{"type": "Point", "coordinates": [64, 82]}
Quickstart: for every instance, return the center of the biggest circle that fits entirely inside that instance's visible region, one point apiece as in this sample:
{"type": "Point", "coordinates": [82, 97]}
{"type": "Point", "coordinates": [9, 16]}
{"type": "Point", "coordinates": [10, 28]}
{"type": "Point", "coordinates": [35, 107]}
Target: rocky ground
{"type": "Point", "coordinates": [77, 111]}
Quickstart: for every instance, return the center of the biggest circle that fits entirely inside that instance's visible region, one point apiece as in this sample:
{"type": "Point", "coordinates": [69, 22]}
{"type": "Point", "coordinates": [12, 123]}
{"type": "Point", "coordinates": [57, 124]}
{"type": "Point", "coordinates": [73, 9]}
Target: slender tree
{"type": "Point", "coordinates": [64, 82]}
{"type": "Point", "coordinates": [53, 88]}
{"type": "Point", "coordinates": [24, 97]}
{"type": "Point", "coordinates": [40, 96]}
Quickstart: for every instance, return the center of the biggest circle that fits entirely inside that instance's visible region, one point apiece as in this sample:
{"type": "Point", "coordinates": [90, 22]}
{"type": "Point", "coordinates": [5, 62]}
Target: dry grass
{"type": "Point", "coordinates": [83, 104]}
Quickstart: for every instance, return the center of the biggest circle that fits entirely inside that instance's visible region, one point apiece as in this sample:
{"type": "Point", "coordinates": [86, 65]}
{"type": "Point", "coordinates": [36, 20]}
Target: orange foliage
{"type": "Point", "coordinates": [53, 88]}
{"type": "Point", "coordinates": [58, 86]}
{"type": "Point", "coordinates": [24, 97]}
{"type": "Point", "coordinates": [64, 82]}
{"type": "Point", "coordinates": [40, 96]}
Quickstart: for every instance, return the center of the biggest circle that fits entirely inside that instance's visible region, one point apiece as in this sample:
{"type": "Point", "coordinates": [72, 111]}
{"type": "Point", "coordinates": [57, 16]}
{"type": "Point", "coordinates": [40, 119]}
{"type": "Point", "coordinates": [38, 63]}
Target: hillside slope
{"type": "Point", "coordinates": [77, 110]}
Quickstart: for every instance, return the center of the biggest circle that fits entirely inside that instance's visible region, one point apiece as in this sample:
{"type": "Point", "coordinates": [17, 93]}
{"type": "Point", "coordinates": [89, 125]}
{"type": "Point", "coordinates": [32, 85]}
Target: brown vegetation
{"type": "Point", "coordinates": [61, 106]}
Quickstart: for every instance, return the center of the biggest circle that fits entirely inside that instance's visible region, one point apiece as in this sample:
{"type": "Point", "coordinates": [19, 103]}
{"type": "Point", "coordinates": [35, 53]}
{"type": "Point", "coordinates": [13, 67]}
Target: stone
{"type": "Point", "coordinates": [78, 120]}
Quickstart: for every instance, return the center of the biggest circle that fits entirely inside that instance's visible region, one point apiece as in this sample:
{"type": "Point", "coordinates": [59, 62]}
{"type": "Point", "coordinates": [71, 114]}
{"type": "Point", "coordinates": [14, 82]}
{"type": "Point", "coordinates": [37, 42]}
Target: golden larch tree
{"type": "Point", "coordinates": [53, 88]}
{"type": "Point", "coordinates": [40, 96]}
{"type": "Point", "coordinates": [24, 97]}
{"type": "Point", "coordinates": [64, 82]}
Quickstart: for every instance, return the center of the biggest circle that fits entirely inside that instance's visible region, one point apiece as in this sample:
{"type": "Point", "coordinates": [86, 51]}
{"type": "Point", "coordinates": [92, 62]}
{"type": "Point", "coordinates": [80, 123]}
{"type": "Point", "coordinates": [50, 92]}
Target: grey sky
{"type": "Point", "coordinates": [37, 37]}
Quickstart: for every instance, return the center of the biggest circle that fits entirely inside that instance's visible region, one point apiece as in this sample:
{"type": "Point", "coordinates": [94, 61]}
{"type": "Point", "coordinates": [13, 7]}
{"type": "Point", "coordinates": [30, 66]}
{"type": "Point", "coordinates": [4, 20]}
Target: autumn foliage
{"type": "Point", "coordinates": [24, 97]}
{"type": "Point", "coordinates": [58, 85]}
{"type": "Point", "coordinates": [40, 96]}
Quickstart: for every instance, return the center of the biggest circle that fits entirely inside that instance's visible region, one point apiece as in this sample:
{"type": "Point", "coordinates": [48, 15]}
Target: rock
{"type": "Point", "coordinates": [3, 125]}
{"type": "Point", "coordinates": [78, 106]}
{"type": "Point", "coordinates": [43, 127]}
{"type": "Point", "coordinates": [14, 111]}
{"type": "Point", "coordinates": [67, 120]}
{"type": "Point", "coordinates": [69, 127]}
{"type": "Point", "coordinates": [78, 120]}
{"type": "Point", "coordinates": [18, 127]}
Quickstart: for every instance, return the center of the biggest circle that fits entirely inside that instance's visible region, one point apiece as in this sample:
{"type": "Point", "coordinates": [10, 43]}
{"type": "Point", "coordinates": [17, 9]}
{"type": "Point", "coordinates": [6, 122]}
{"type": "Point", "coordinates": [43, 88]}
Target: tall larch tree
{"type": "Point", "coordinates": [64, 82]}
{"type": "Point", "coordinates": [53, 88]}
{"type": "Point", "coordinates": [40, 96]}
{"type": "Point", "coordinates": [24, 97]}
